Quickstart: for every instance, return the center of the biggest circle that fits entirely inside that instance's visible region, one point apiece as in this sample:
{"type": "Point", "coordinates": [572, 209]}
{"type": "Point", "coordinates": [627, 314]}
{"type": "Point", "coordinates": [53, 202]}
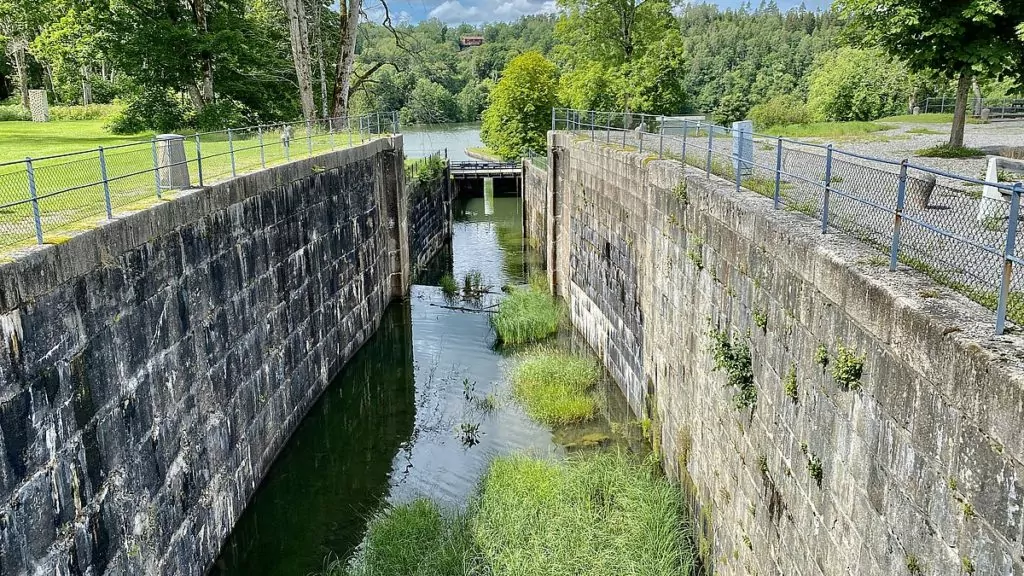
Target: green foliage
{"type": "Point", "coordinates": [856, 84]}
{"type": "Point", "coordinates": [14, 113]}
{"type": "Point", "coordinates": [814, 468]}
{"type": "Point", "coordinates": [695, 252]}
{"type": "Point", "coordinates": [554, 386]}
{"type": "Point", "coordinates": [951, 151]}
{"type": "Point", "coordinates": [789, 384]}
{"type": "Point", "coordinates": [966, 563]}
{"type": "Point", "coordinates": [77, 113]}
{"type": "Point", "coordinates": [519, 113]}
{"type": "Point", "coordinates": [734, 359]}
{"type": "Point", "coordinates": [148, 109]}
{"type": "Point", "coordinates": [760, 319]}
{"type": "Point", "coordinates": [848, 368]}
{"type": "Point", "coordinates": [526, 316]}
{"type": "Point", "coordinates": [430, 103]}
{"type": "Point", "coordinates": [415, 539]}
{"type": "Point", "coordinates": [830, 130]}
{"type": "Point", "coordinates": [914, 565]}
{"type": "Point", "coordinates": [821, 355]}
{"type": "Point", "coordinates": [600, 514]}
{"type": "Point", "coordinates": [448, 285]}
{"type": "Point", "coordinates": [780, 111]}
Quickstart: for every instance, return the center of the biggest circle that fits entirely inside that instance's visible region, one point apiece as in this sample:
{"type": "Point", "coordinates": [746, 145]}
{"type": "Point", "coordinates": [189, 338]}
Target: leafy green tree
{"type": "Point", "coordinates": [654, 82]}
{"type": "Point", "coordinates": [856, 84]}
{"type": "Point", "coordinates": [959, 38]}
{"type": "Point", "coordinates": [430, 103]}
{"type": "Point", "coordinates": [590, 86]}
{"type": "Point", "coordinates": [519, 113]}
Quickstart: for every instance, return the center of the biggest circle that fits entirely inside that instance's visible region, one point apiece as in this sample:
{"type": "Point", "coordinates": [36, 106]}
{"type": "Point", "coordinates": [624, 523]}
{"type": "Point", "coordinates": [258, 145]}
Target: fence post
{"type": "Point", "coordinates": [309, 139]}
{"type": "Point", "coordinates": [1011, 248]}
{"type": "Point", "coordinates": [348, 126]}
{"type": "Point", "coordinates": [736, 159]}
{"type": "Point", "coordinates": [711, 146]}
{"type": "Point", "coordinates": [156, 170]}
{"type": "Point", "coordinates": [608, 128]}
{"type": "Point", "coordinates": [640, 137]}
{"type": "Point", "coordinates": [827, 183]}
{"type": "Point", "coordinates": [35, 200]}
{"type": "Point", "coordinates": [552, 118]}
{"type": "Point", "coordinates": [593, 119]}
{"type": "Point", "coordinates": [901, 201]}
{"type": "Point", "coordinates": [378, 123]}
{"type": "Point", "coordinates": [661, 138]}
{"type": "Point", "coordinates": [106, 183]}
{"type": "Point", "coordinates": [263, 156]}
{"type": "Point", "coordinates": [623, 132]}
{"type": "Point", "coordinates": [777, 197]}
{"type": "Point", "coordinates": [199, 160]}
{"type": "Point", "coordinates": [231, 152]}
{"type": "Point", "coordinates": [686, 128]}
{"type": "Point", "coordinates": [330, 130]}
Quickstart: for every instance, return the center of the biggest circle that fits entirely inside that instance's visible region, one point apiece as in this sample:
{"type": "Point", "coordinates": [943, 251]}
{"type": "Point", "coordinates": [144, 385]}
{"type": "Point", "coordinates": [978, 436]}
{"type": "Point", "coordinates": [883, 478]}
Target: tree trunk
{"type": "Point", "coordinates": [977, 97]}
{"type": "Point", "coordinates": [22, 66]}
{"type": "Point", "coordinates": [346, 55]}
{"type": "Point", "coordinates": [86, 84]}
{"type": "Point", "coordinates": [963, 86]}
{"type": "Point", "coordinates": [318, 31]}
{"type": "Point", "coordinates": [206, 97]}
{"type": "Point", "coordinates": [299, 35]}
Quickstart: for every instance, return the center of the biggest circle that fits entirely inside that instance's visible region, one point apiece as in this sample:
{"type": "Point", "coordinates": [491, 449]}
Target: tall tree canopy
{"type": "Point", "coordinates": [960, 39]}
{"type": "Point", "coordinates": [519, 113]}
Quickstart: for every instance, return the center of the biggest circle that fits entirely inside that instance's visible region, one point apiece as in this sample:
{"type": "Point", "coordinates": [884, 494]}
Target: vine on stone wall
{"type": "Point", "coordinates": [734, 359]}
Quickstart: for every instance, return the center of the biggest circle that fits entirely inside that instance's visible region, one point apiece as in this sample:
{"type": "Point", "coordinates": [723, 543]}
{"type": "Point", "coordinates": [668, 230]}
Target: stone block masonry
{"type": "Point", "coordinates": [430, 216]}
{"type": "Point", "coordinates": [828, 417]}
{"type": "Point", "coordinates": [535, 194]}
{"type": "Point", "coordinates": [151, 369]}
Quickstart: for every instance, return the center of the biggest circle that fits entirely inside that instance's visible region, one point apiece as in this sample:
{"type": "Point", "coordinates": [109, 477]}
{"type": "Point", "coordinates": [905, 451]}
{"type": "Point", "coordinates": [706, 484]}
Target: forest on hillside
{"type": "Point", "coordinates": [213, 63]}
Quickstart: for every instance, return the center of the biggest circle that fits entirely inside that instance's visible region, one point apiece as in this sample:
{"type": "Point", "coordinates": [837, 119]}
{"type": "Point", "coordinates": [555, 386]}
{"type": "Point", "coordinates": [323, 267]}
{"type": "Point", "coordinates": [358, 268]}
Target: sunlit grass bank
{"type": "Point", "coordinates": [599, 514]}
{"type": "Point", "coordinates": [554, 386]}
{"type": "Point", "coordinates": [527, 315]}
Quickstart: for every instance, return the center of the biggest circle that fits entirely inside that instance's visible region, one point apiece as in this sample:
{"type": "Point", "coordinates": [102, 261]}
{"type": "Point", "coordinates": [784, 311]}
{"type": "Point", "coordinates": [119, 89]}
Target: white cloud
{"type": "Point", "coordinates": [479, 11]}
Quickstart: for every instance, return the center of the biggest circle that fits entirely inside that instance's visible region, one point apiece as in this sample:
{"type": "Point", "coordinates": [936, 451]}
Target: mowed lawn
{"type": "Point", "coordinates": [70, 190]}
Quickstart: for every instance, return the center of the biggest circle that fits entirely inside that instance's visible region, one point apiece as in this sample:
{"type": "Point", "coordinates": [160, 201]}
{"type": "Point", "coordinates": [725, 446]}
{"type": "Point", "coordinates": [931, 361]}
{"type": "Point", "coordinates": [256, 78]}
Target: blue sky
{"type": "Point", "coordinates": [478, 11]}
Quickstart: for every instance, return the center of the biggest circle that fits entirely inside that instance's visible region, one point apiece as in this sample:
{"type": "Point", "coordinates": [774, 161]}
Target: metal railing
{"type": "Point", "coordinates": [998, 107]}
{"type": "Point", "coordinates": [962, 232]}
{"type": "Point", "coordinates": [43, 199]}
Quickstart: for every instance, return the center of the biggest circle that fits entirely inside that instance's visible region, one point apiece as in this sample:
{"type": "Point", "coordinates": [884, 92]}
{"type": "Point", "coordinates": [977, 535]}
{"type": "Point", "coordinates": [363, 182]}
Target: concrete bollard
{"type": "Point", "coordinates": [985, 114]}
{"type": "Point", "coordinates": [917, 110]}
{"type": "Point", "coordinates": [171, 163]}
{"type": "Point", "coordinates": [995, 202]}
{"type": "Point", "coordinates": [743, 147]}
{"type": "Point", "coordinates": [919, 190]}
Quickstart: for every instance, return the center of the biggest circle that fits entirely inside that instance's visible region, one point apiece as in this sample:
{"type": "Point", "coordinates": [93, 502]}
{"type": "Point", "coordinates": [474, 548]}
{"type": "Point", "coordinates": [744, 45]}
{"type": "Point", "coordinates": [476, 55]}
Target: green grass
{"type": "Point", "coordinates": [484, 152]}
{"type": "Point", "coordinates": [415, 539]}
{"type": "Point", "coordinates": [129, 171]}
{"type": "Point", "coordinates": [930, 118]}
{"type": "Point", "coordinates": [948, 151]}
{"type": "Point", "coordinates": [554, 386]}
{"type": "Point", "coordinates": [448, 285]}
{"type": "Point", "coordinates": [833, 130]}
{"type": "Point", "coordinates": [527, 315]}
{"type": "Point", "coordinates": [599, 514]}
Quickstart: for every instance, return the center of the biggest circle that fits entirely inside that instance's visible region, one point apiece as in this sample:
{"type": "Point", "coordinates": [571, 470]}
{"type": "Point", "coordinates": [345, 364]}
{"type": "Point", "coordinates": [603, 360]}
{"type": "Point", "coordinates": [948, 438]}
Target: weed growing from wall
{"type": "Point", "coordinates": [680, 191]}
{"type": "Point", "coordinates": [789, 384]}
{"type": "Point", "coordinates": [814, 468]}
{"type": "Point", "coordinates": [761, 319]}
{"type": "Point", "coordinates": [821, 356]}
{"type": "Point", "coordinates": [914, 565]}
{"type": "Point", "coordinates": [848, 368]}
{"type": "Point", "coordinates": [734, 359]}
{"type": "Point", "coordinates": [696, 252]}
{"type": "Point", "coordinates": [967, 565]}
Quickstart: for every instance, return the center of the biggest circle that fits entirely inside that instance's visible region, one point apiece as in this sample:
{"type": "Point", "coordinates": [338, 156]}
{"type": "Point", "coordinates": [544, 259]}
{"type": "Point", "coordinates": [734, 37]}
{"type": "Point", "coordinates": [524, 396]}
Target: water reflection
{"type": "Point", "coordinates": [423, 140]}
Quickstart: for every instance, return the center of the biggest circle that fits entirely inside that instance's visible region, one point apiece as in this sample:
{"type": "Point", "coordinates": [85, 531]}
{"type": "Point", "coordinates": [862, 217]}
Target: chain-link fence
{"type": "Point", "coordinates": [960, 231]}
{"type": "Point", "coordinates": [47, 198]}
{"type": "Point", "coordinates": [998, 108]}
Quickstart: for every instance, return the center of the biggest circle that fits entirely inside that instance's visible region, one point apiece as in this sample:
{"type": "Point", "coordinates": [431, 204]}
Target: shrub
{"type": "Point", "coordinates": [950, 151]}
{"type": "Point", "coordinates": [148, 109]}
{"type": "Point", "coordinates": [780, 111]}
{"type": "Point", "coordinates": [526, 316]}
{"type": "Point", "coordinates": [856, 84]}
{"type": "Point", "coordinates": [90, 112]}
{"type": "Point", "coordinates": [14, 113]}
{"type": "Point", "coordinates": [220, 116]}
{"type": "Point", "coordinates": [554, 386]}
{"type": "Point", "coordinates": [600, 514]}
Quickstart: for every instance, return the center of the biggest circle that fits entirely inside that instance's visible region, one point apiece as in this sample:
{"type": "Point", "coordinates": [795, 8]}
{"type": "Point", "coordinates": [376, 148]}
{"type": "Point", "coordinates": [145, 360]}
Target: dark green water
{"type": "Point", "coordinates": [388, 429]}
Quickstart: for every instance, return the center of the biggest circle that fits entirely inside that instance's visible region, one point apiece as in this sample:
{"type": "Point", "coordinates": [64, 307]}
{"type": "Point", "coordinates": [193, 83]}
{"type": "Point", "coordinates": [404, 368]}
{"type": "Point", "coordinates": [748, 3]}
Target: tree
{"type": "Point", "coordinates": [19, 21]}
{"type": "Point", "coordinates": [519, 112]}
{"type": "Point", "coordinates": [298, 33]}
{"type": "Point", "coordinates": [856, 84]}
{"type": "Point", "coordinates": [959, 38]}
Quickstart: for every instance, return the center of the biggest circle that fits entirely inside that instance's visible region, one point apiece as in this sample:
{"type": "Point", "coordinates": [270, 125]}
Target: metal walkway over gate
{"type": "Point", "coordinates": [474, 169]}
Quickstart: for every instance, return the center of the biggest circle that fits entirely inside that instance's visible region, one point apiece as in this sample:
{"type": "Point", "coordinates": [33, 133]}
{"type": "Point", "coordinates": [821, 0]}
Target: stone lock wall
{"type": "Point", "coordinates": [915, 467]}
{"type": "Point", "coordinates": [151, 369]}
{"type": "Point", "coordinates": [430, 216]}
{"type": "Point", "coordinates": [535, 195]}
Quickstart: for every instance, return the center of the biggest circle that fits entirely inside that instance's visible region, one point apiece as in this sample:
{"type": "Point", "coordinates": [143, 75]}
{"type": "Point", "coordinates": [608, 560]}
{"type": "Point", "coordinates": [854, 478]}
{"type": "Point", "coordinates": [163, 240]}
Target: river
{"type": "Point", "coordinates": [388, 428]}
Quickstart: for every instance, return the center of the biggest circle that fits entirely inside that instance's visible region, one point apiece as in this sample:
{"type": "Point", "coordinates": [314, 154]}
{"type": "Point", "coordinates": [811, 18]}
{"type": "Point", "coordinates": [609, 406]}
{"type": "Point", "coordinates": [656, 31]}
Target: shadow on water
{"type": "Point", "coordinates": [333, 472]}
{"type": "Point", "coordinates": [420, 411]}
